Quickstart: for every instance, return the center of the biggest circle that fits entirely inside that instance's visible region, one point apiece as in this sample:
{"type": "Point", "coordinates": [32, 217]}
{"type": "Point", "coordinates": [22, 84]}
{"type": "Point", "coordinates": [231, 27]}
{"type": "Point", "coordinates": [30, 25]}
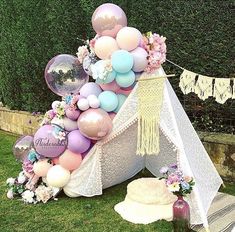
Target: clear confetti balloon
{"type": "Point", "coordinates": [64, 75]}
{"type": "Point", "coordinates": [22, 147]}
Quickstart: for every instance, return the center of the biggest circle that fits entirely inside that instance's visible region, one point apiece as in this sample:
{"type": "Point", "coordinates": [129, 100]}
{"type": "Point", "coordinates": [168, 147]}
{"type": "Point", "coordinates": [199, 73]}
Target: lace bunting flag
{"type": "Point", "coordinates": [203, 87]}
{"type": "Point", "coordinates": [222, 90]}
{"type": "Point", "coordinates": [150, 97]}
{"type": "Point", "coordinates": [187, 81]}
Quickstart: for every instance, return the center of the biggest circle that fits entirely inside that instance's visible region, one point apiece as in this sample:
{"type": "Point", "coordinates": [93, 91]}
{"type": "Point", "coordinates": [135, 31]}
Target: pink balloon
{"type": "Point", "coordinates": [105, 46]}
{"type": "Point", "coordinates": [55, 160]}
{"type": "Point", "coordinates": [123, 91]}
{"type": "Point", "coordinates": [128, 38]}
{"type": "Point", "coordinates": [95, 124]}
{"type": "Point", "coordinates": [72, 113]}
{"type": "Point", "coordinates": [112, 86]}
{"type": "Point", "coordinates": [41, 167]}
{"type": "Point", "coordinates": [108, 19]}
{"type": "Point", "coordinates": [140, 59]}
{"type": "Point", "coordinates": [70, 160]}
{"type": "Point", "coordinates": [112, 115]}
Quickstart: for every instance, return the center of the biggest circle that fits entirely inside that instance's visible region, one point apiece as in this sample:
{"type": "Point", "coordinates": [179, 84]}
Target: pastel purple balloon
{"type": "Point", "coordinates": [108, 19]}
{"type": "Point", "coordinates": [64, 74]}
{"type": "Point", "coordinates": [77, 143]}
{"type": "Point", "coordinates": [69, 125]}
{"type": "Point", "coordinates": [72, 114]}
{"type": "Point", "coordinates": [140, 59]}
{"type": "Point", "coordinates": [22, 147]}
{"type": "Point", "coordinates": [47, 144]}
{"type": "Point", "coordinates": [90, 88]}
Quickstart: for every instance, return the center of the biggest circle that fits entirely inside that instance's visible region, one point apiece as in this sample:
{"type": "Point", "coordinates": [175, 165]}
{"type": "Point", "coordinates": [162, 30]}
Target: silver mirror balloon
{"type": "Point", "coordinates": [64, 75]}
{"type": "Point", "coordinates": [22, 147]}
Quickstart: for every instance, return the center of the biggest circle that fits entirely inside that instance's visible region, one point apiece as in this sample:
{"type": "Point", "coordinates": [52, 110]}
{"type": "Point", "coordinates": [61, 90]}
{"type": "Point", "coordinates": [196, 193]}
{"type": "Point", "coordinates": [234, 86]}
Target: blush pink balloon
{"type": "Point", "coordinates": [70, 160]}
{"type": "Point", "coordinates": [105, 46]}
{"type": "Point", "coordinates": [123, 91]}
{"type": "Point", "coordinates": [128, 38]}
{"type": "Point", "coordinates": [72, 113]}
{"type": "Point", "coordinates": [140, 59]}
{"type": "Point", "coordinates": [112, 115]}
{"type": "Point", "coordinates": [112, 86]}
{"type": "Point", "coordinates": [95, 124]}
{"type": "Point", "coordinates": [41, 167]}
{"type": "Point", "coordinates": [55, 160]}
{"type": "Point", "coordinates": [108, 19]}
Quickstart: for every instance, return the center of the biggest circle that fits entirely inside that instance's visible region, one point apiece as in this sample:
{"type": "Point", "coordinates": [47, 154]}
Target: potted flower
{"type": "Point", "coordinates": [181, 186]}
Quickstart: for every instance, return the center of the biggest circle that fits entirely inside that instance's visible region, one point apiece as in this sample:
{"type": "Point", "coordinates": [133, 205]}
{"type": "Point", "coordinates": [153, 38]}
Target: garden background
{"type": "Point", "coordinates": [200, 37]}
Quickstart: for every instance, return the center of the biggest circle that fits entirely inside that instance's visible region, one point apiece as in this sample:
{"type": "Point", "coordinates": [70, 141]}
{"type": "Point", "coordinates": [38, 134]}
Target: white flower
{"type": "Point", "coordinates": [10, 194]}
{"type": "Point", "coordinates": [175, 187]}
{"type": "Point", "coordinates": [82, 53]}
{"type": "Point", "coordinates": [94, 71]}
{"type": "Point", "coordinates": [28, 196]}
{"type": "Point", "coordinates": [43, 193]}
{"type": "Point", "coordinates": [21, 178]}
{"type": "Point", "coordinates": [10, 181]}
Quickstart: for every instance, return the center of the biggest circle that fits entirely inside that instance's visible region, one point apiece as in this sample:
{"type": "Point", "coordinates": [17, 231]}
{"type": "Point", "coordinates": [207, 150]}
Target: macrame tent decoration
{"type": "Point", "coordinates": [113, 160]}
{"type": "Point", "coordinates": [150, 97]}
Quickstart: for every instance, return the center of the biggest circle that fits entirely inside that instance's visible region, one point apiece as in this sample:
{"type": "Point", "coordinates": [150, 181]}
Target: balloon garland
{"type": "Point", "coordinates": [115, 58]}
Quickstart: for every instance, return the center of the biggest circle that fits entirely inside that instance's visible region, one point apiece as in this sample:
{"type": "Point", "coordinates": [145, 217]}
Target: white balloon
{"type": "Point", "coordinates": [94, 103]}
{"type": "Point", "coordinates": [83, 104]}
{"type": "Point", "coordinates": [70, 125]}
{"type": "Point", "coordinates": [92, 96]}
{"type": "Point", "coordinates": [58, 176]}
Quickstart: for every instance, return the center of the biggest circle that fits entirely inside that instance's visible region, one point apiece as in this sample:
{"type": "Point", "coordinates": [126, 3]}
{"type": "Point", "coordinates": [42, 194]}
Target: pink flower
{"type": "Point", "coordinates": [172, 178]}
{"type": "Point", "coordinates": [188, 178]}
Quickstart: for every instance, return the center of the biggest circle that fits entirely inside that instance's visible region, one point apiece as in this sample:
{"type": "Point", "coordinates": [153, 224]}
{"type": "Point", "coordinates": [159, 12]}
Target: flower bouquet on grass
{"type": "Point", "coordinates": [179, 185]}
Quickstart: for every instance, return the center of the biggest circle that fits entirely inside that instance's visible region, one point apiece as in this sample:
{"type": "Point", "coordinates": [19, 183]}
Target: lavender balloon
{"type": "Point", "coordinates": [108, 19]}
{"type": "Point", "coordinates": [49, 142]}
{"type": "Point", "coordinates": [140, 59]}
{"type": "Point", "coordinates": [77, 143]}
{"type": "Point", "coordinates": [65, 75]}
{"type": "Point", "coordinates": [90, 88]}
{"type": "Point", "coordinates": [22, 147]}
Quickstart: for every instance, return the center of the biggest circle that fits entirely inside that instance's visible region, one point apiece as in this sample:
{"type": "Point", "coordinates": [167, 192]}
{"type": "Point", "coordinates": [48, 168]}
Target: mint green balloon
{"type": "Point", "coordinates": [122, 61]}
{"type": "Point", "coordinates": [108, 101]}
{"type": "Point", "coordinates": [125, 79]}
{"type": "Point", "coordinates": [121, 99]}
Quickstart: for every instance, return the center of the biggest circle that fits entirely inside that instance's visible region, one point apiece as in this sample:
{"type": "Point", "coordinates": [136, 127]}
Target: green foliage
{"type": "Point", "coordinates": [199, 38]}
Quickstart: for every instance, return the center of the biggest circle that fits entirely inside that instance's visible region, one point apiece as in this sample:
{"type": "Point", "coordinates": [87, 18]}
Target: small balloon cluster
{"type": "Point", "coordinates": [114, 58]}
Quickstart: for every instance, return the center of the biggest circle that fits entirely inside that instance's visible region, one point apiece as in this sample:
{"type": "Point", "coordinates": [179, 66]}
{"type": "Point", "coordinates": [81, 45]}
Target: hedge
{"type": "Point", "coordinates": [199, 37]}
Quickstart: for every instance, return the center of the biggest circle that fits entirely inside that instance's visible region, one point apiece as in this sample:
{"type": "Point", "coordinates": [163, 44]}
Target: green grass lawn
{"type": "Point", "coordinates": [66, 214]}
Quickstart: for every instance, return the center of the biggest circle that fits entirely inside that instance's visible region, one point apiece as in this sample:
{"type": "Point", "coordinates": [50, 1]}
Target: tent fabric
{"type": "Point", "coordinates": [114, 160]}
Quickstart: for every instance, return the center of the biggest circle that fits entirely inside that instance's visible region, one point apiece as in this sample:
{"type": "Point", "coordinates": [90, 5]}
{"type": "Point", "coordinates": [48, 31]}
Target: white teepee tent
{"type": "Point", "coordinates": [114, 160]}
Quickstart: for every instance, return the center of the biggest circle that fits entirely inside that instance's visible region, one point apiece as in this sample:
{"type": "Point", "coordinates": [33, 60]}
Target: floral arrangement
{"type": "Point", "coordinates": [155, 45]}
{"type": "Point", "coordinates": [30, 187]}
{"type": "Point", "coordinates": [176, 182]}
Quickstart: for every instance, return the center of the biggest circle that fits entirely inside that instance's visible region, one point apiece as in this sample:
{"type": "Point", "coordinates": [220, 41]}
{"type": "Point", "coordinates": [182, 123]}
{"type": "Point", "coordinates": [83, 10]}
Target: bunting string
{"type": "Point", "coordinates": [204, 87]}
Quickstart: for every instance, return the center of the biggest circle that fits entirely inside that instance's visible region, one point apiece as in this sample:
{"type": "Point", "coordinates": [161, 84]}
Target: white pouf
{"type": "Point", "coordinates": [147, 201]}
